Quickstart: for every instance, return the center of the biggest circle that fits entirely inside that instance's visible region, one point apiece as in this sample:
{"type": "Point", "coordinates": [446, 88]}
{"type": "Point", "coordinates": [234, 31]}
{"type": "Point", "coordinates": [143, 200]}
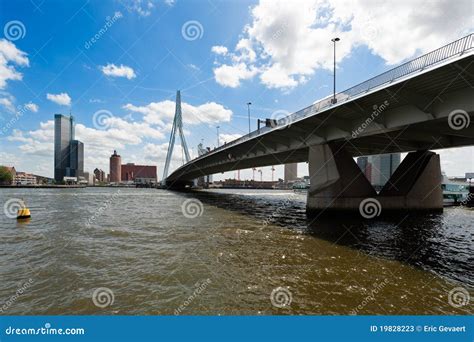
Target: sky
{"type": "Point", "coordinates": [116, 66]}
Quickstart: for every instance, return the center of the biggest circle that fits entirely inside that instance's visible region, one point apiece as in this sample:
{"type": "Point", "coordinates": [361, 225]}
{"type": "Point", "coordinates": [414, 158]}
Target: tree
{"type": "Point", "coordinates": [5, 175]}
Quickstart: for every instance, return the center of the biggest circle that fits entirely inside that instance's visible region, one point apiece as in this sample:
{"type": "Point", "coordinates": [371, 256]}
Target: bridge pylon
{"type": "Point", "coordinates": [176, 129]}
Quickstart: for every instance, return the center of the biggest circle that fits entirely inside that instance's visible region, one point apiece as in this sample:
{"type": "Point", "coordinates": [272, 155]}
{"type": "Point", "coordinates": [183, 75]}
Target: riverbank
{"type": "Point", "coordinates": [63, 186]}
{"type": "Point", "coordinates": [43, 186]}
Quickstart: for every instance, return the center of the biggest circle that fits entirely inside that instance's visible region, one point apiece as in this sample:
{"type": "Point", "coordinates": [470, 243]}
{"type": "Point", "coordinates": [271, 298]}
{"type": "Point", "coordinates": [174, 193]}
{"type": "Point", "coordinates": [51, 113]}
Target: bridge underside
{"type": "Point", "coordinates": [413, 115]}
{"type": "Point", "coordinates": [429, 135]}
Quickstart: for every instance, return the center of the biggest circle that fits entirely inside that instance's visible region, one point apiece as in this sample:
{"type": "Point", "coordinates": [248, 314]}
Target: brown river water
{"type": "Point", "coordinates": [226, 252]}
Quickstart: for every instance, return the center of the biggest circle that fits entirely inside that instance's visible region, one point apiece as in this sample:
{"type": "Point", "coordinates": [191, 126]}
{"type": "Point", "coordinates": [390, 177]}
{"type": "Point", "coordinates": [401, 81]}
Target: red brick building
{"type": "Point", "coordinates": [142, 174]}
{"type": "Point", "coordinates": [115, 162]}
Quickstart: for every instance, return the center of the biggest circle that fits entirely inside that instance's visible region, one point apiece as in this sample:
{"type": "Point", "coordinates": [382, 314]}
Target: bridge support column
{"type": "Point", "coordinates": [415, 184]}
{"type": "Point", "coordinates": [337, 183]}
{"type": "Point", "coordinates": [339, 186]}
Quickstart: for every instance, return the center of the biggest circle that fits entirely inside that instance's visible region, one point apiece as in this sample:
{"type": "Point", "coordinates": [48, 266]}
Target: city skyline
{"type": "Point", "coordinates": [120, 86]}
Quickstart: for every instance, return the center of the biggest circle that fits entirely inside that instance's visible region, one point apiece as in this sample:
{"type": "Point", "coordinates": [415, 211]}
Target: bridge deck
{"type": "Point", "coordinates": [412, 102]}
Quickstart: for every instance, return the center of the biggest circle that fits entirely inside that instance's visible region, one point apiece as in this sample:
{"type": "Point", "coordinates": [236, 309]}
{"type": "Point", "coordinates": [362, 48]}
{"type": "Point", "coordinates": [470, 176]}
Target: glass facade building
{"type": "Point", "coordinates": [68, 152]}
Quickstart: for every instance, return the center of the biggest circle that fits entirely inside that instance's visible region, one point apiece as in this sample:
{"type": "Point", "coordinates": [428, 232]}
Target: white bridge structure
{"type": "Point", "coordinates": [422, 105]}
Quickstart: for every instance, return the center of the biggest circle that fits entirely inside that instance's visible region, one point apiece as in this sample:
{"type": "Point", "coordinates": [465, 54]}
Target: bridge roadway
{"type": "Point", "coordinates": [424, 104]}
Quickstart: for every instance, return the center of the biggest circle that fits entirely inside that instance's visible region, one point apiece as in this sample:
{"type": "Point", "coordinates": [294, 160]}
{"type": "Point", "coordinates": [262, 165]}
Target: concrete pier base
{"type": "Point", "coordinates": [339, 186]}
{"type": "Point", "coordinates": [415, 184]}
{"type": "Point", "coordinates": [337, 183]}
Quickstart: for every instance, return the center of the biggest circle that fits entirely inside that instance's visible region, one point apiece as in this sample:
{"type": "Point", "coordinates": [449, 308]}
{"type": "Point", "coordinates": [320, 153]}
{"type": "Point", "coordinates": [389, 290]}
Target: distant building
{"type": "Point", "coordinates": [43, 180]}
{"type": "Point", "coordinates": [23, 178]}
{"type": "Point", "coordinates": [115, 168]}
{"type": "Point", "coordinates": [68, 152]}
{"type": "Point", "coordinates": [291, 172]}
{"type": "Point", "coordinates": [365, 167]}
{"type": "Point", "coordinates": [99, 175]}
{"type": "Point", "coordinates": [139, 174]}
{"type": "Point", "coordinates": [382, 167]}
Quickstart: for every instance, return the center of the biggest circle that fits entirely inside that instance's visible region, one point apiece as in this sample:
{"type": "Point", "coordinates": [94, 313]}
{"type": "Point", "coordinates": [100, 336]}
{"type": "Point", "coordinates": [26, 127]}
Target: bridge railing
{"type": "Point", "coordinates": [418, 64]}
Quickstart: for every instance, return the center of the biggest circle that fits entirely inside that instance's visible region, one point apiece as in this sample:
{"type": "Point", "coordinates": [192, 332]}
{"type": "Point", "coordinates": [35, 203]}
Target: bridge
{"type": "Point", "coordinates": [422, 105]}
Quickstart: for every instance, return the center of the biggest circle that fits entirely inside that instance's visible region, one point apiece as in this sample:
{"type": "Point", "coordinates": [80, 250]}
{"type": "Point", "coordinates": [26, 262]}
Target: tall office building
{"type": "Point", "coordinates": [291, 172]}
{"type": "Point", "coordinates": [68, 152]}
{"type": "Point", "coordinates": [115, 168]}
{"type": "Point", "coordinates": [365, 166]}
{"type": "Point", "coordinates": [383, 167]}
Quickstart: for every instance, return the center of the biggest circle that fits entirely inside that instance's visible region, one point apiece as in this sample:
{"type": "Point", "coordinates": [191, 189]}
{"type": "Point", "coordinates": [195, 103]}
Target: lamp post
{"type": "Point", "coordinates": [334, 100]}
{"type": "Point", "coordinates": [217, 136]}
{"type": "Point", "coordinates": [248, 110]}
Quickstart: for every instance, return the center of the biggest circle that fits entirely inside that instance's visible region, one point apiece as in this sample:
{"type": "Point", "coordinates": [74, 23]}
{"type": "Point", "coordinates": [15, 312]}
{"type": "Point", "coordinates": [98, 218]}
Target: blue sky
{"type": "Point", "coordinates": [221, 54]}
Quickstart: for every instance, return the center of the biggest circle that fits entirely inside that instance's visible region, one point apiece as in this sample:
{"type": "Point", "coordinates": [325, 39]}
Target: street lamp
{"type": "Point", "coordinates": [248, 109]}
{"type": "Point", "coordinates": [217, 136]}
{"type": "Point", "coordinates": [334, 100]}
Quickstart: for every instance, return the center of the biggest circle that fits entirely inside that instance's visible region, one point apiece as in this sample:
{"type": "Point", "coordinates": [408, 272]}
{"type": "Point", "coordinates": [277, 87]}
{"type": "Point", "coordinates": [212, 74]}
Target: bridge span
{"type": "Point", "coordinates": [422, 105]}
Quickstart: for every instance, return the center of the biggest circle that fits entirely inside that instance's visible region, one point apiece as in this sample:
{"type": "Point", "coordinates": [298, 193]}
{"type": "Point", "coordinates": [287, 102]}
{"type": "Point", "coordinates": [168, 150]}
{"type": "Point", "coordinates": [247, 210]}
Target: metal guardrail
{"type": "Point", "coordinates": [421, 63]}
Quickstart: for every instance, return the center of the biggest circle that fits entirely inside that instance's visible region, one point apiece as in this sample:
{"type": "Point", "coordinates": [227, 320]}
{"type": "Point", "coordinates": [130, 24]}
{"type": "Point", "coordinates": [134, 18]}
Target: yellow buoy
{"type": "Point", "coordinates": [23, 212]}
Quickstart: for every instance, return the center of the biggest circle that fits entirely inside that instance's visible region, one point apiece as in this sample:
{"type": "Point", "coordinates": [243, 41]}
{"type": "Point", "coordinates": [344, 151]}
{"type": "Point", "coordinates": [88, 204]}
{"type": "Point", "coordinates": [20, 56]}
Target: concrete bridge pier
{"type": "Point", "coordinates": [339, 186]}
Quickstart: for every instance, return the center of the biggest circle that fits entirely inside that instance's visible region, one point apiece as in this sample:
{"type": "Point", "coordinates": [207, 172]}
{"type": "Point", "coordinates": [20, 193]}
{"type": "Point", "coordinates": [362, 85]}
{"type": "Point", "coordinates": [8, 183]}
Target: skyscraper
{"type": "Point", "coordinates": [77, 159]}
{"type": "Point", "coordinates": [383, 167]}
{"type": "Point", "coordinates": [365, 167]}
{"type": "Point", "coordinates": [68, 152]}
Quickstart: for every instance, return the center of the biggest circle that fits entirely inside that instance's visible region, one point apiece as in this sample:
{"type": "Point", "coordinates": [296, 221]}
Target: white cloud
{"type": "Point", "coordinates": [118, 71]}
{"type": "Point", "coordinates": [32, 107]}
{"type": "Point", "coordinates": [9, 54]}
{"type": "Point", "coordinates": [161, 112]}
{"type": "Point", "coordinates": [7, 103]}
{"type": "Point", "coordinates": [245, 51]}
{"type": "Point", "coordinates": [62, 99]}
{"type": "Point", "coordinates": [276, 77]}
{"type": "Point", "coordinates": [397, 30]}
{"type": "Point", "coordinates": [227, 138]}
{"type": "Point", "coordinates": [231, 75]}
{"type": "Point", "coordinates": [219, 50]}
{"type": "Point", "coordinates": [142, 7]}
{"type": "Point", "coordinates": [287, 41]}
{"type": "Point", "coordinates": [9, 159]}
